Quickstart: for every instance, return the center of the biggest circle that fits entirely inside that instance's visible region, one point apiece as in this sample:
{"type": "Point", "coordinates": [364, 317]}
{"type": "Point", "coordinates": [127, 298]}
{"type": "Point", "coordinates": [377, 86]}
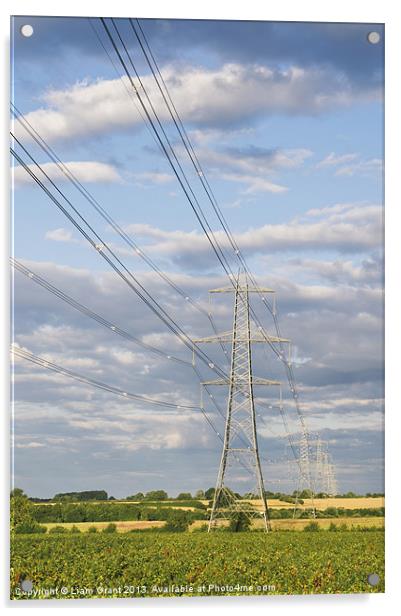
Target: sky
{"type": "Point", "coordinates": [286, 120]}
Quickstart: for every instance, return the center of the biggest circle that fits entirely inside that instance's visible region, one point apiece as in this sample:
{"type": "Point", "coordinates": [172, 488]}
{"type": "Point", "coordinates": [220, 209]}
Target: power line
{"type": "Point", "coordinates": [215, 247]}
{"type": "Point", "coordinates": [192, 201]}
{"type": "Point", "coordinates": [106, 216]}
{"type": "Point", "coordinates": [193, 347]}
{"type": "Point", "coordinates": [190, 150]}
{"type": "Point", "coordinates": [195, 206]}
{"type": "Point", "coordinates": [198, 211]}
{"type": "Point", "coordinates": [181, 129]}
{"type": "Point", "coordinates": [90, 313]}
{"type": "Point", "coordinates": [107, 324]}
{"type": "Point", "coordinates": [210, 364]}
{"type": "Point", "coordinates": [102, 248]}
{"type": "Point", "coordinates": [44, 363]}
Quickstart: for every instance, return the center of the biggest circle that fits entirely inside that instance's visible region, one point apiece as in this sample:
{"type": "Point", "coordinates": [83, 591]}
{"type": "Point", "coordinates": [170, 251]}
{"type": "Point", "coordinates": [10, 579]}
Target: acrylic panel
{"type": "Point", "coordinates": [197, 308]}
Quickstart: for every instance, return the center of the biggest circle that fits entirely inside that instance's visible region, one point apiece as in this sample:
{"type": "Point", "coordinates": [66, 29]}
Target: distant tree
{"type": "Point", "coordinates": [178, 521]}
{"type": "Point", "coordinates": [29, 528]}
{"type": "Point", "coordinates": [92, 529]}
{"type": "Point", "coordinates": [209, 494]}
{"type": "Point", "coordinates": [225, 497]}
{"type": "Point", "coordinates": [200, 494]}
{"type": "Point", "coordinates": [184, 496]}
{"type": "Point", "coordinates": [239, 522]}
{"type": "Point", "coordinates": [290, 499]}
{"type": "Point", "coordinates": [81, 496]}
{"type": "Point", "coordinates": [331, 512]}
{"type": "Point", "coordinates": [135, 497]}
{"type": "Point", "coordinates": [312, 527]}
{"type": "Point", "coordinates": [58, 530]}
{"type": "Point", "coordinates": [74, 529]}
{"type": "Point", "coordinates": [156, 495]}
{"type": "Point", "coordinates": [18, 492]}
{"type": "Point", "coordinates": [110, 528]}
{"type": "Point", "coordinates": [21, 513]}
{"type": "Point", "coordinates": [306, 494]}
{"type": "Point", "coordinates": [74, 513]}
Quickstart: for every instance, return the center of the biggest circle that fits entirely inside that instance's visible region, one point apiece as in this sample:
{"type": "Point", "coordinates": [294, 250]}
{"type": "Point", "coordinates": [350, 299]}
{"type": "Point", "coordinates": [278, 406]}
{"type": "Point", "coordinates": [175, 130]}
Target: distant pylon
{"type": "Point", "coordinates": [315, 460]}
{"type": "Point", "coordinates": [240, 448]}
{"type": "Point", "coordinates": [326, 470]}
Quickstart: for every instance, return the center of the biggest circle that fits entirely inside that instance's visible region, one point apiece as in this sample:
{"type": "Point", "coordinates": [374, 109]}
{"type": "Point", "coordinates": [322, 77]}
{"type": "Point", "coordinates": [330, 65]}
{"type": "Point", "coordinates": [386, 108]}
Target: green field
{"type": "Point", "coordinates": [167, 564]}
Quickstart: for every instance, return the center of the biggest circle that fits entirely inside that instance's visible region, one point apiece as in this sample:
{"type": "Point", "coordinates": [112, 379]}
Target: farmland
{"type": "Point", "coordinates": [286, 524]}
{"type": "Point", "coordinates": [323, 503]}
{"type": "Point", "coordinates": [319, 503]}
{"type": "Point", "coordinates": [139, 515]}
{"type": "Point", "coordinates": [165, 564]}
{"type": "Point", "coordinates": [155, 548]}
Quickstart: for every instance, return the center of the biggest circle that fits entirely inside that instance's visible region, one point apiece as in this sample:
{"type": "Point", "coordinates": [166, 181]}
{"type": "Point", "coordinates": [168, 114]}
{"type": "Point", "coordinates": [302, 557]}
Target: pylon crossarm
{"type": "Point", "coordinates": [242, 289]}
{"type": "Point", "coordinates": [226, 337]}
{"type": "Point", "coordinates": [255, 381]}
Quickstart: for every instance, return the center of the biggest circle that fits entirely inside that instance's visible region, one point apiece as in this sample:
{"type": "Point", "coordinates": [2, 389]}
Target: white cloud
{"type": "Point", "coordinates": [254, 184]}
{"type": "Point", "coordinates": [153, 177]}
{"type": "Point", "coordinates": [337, 326]}
{"type": "Point", "coordinates": [251, 165]}
{"type": "Point", "coordinates": [348, 228]}
{"type": "Point", "coordinates": [229, 95]}
{"type": "Point", "coordinates": [59, 235]}
{"type": "Point", "coordinates": [85, 171]}
{"type": "Point", "coordinates": [31, 445]}
{"type": "Point", "coordinates": [363, 167]}
{"type": "Point", "coordinates": [351, 164]}
{"type": "Point", "coordinates": [368, 272]}
{"type": "Point", "coordinates": [334, 159]}
{"type": "Point", "coordinates": [253, 160]}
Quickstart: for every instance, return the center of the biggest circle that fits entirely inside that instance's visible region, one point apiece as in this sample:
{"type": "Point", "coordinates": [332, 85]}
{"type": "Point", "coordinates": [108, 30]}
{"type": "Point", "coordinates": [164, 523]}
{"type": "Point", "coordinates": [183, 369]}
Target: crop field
{"type": "Point", "coordinates": [290, 524]}
{"type": "Point", "coordinates": [121, 527]}
{"type": "Point", "coordinates": [323, 503]}
{"type": "Point", "coordinates": [300, 524]}
{"type": "Point", "coordinates": [168, 564]}
{"type": "Point", "coordinates": [361, 502]}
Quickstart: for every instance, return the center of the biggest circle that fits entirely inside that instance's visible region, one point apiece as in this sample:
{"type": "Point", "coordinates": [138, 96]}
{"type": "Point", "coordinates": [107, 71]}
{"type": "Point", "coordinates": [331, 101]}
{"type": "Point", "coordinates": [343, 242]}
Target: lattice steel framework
{"type": "Point", "coordinates": [325, 472]}
{"type": "Point", "coordinates": [240, 447]}
{"type": "Point", "coordinates": [315, 460]}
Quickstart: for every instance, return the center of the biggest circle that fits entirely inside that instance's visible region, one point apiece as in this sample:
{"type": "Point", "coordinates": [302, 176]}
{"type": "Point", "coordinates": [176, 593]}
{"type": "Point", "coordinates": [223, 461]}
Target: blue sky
{"type": "Point", "coordinates": [287, 121]}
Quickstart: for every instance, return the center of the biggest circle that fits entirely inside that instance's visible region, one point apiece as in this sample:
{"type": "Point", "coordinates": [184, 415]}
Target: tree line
{"type": "Point", "coordinates": [162, 495]}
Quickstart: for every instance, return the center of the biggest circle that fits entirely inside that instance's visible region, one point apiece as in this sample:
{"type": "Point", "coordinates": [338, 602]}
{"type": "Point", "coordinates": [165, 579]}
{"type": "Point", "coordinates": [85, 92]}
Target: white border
{"type": "Point", "coordinates": [285, 10]}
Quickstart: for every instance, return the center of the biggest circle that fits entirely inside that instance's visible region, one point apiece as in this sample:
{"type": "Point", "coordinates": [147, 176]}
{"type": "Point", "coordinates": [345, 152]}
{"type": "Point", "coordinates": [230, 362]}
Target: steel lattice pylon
{"type": "Point", "coordinates": [315, 460]}
{"type": "Point", "coordinates": [240, 448]}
